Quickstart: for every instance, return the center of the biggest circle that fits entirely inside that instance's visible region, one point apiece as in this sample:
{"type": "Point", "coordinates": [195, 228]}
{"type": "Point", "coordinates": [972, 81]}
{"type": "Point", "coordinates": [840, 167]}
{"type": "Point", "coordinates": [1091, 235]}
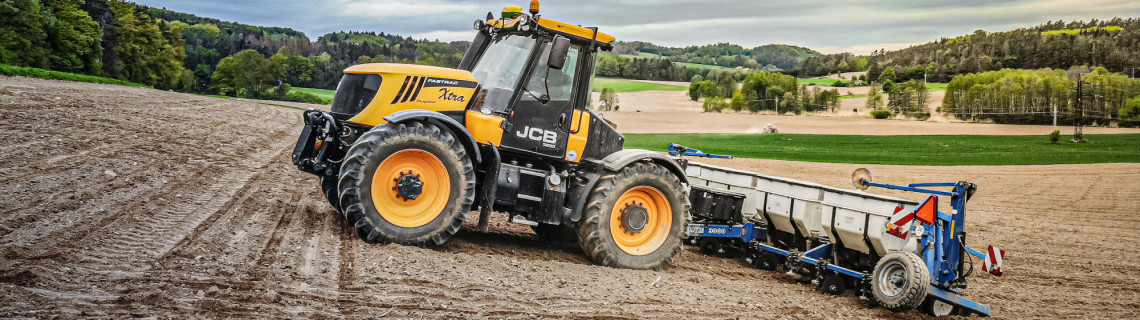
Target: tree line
{"type": "Point", "coordinates": [760, 91]}
{"type": "Point", "coordinates": [1113, 44]}
{"type": "Point", "coordinates": [1095, 96]}
{"type": "Point", "coordinates": [775, 56]}
{"type": "Point", "coordinates": [179, 51]}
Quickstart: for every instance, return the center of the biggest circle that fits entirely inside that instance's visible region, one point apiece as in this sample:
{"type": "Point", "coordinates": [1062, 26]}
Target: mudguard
{"type": "Point", "coordinates": [457, 129]}
{"type": "Point", "coordinates": [620, 159]}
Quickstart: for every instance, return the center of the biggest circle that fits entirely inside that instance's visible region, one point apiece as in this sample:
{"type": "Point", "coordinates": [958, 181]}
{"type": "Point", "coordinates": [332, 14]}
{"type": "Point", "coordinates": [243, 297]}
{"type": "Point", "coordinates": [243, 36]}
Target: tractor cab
{"type": "Point", "coordinates": [535, 78]}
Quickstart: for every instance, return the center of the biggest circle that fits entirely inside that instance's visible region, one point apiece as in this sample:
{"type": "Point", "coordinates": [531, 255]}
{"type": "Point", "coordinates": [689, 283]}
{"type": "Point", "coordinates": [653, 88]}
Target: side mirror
{"type": "Point", "coordinates": [558, 51]}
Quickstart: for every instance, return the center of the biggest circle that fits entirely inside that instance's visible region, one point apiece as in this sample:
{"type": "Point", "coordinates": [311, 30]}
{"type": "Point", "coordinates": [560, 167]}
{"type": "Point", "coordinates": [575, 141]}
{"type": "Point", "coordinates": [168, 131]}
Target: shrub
{"type": "Point", "coordinates": [305, 97]}
{"type": "Point", "coordinates": [1056, 135]}
{"type": "Point", "coordinates": [920, 116]}
{"type": "Point", "coordinates": [881, 114]}
{"type": "Point", "coordinates": [714, 104]}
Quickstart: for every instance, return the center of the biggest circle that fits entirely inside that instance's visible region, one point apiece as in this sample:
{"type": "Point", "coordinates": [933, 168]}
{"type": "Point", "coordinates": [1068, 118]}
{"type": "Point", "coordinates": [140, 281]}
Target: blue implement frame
{"type": "Point", "coordinates": [942, 251]}
{"type": "Point", "coordinates": [942, 246]}
{"type": "Point", "coordinates": [676, 149]}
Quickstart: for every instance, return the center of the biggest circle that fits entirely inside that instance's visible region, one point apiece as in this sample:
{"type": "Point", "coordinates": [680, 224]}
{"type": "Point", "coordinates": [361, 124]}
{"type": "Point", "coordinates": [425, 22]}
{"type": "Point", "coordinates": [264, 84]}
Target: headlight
{"type": "Point", "coordinates": [479, 24]}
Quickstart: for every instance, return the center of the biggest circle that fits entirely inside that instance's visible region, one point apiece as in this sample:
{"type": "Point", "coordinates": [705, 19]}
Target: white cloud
{"type": "Point", "coordinates": [390, 8]}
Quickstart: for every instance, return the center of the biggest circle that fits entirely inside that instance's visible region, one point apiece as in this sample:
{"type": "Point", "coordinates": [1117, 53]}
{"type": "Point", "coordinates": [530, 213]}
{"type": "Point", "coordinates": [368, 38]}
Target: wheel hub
{"type": "Point", "coordinates": [634, 217]}
{"type": "Point", "coordinates": [408, 186]}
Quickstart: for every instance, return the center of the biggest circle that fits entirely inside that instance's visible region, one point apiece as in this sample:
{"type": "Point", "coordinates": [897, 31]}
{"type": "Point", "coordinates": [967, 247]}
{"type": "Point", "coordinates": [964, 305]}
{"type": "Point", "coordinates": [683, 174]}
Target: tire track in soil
{"type": "Point", "coordinates": [152, 238]}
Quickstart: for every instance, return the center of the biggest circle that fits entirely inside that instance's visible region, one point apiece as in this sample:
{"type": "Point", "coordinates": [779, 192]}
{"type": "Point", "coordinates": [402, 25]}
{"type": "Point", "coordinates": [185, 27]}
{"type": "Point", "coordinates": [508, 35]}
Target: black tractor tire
{"type": "Point", "coordinates": [900, 281]}
{"type": "Point", "coordinates": [369, 153]}
{"type": "Point", "coordinates": [328, 187]}
{"type": "Point", "coordinates": [594, 235]}
{"type": "Point", "coordinates": [555, 233]}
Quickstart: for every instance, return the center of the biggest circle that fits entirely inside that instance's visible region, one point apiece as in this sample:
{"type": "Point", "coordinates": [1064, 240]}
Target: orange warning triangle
{"type": "Point", "coordinates": [928, 211]}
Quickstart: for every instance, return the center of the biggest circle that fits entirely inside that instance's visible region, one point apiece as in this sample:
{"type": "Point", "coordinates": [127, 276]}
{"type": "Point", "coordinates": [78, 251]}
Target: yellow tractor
{"type": "Point", "coordinates": [409, 150]}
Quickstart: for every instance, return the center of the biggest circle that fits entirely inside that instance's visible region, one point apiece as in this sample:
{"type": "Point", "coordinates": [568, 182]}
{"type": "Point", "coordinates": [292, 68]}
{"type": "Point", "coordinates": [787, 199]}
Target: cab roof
{"type": "Point", "coordinates": [574, 32]}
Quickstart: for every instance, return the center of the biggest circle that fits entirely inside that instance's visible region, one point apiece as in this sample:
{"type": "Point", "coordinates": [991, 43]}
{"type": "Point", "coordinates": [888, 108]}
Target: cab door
{"type": "Point", "coordinates": [540, 121]}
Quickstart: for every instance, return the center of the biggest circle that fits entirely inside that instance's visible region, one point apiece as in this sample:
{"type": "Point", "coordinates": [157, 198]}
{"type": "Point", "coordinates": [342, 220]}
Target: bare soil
{"type": "Point", "coordinates": [130, 202]}
{"type": "Point", "coordinates": [674, 112]}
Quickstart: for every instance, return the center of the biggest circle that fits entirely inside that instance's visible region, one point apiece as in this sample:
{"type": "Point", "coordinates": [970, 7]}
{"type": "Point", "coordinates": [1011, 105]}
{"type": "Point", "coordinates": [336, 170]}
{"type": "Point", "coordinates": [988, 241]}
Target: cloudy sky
{"type": "Point", "coordinates": [857, 26]}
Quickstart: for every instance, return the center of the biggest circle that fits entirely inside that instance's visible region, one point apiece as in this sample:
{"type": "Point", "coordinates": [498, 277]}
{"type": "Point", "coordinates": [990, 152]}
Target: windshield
{"type": "Point", "coordinates": [499, 70]}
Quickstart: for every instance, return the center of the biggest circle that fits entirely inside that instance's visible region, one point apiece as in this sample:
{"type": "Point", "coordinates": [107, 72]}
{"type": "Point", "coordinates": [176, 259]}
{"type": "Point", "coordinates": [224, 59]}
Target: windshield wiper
{"type": "Point", "coordinates": [544, 98]}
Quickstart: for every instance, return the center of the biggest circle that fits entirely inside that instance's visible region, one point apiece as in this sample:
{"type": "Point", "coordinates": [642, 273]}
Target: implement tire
{"type": "Point", "coordinates": [328, 187]}
{"type": "Point", "coordinates": [900, 281]}
{"type": "Point", "coordinates": [378, 188]}
{"type": "Point", "coordinates": [635, 218]}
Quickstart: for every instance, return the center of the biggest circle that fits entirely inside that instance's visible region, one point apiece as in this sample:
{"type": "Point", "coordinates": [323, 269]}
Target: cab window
{"type": "Point", "coordinates": [547, 84]}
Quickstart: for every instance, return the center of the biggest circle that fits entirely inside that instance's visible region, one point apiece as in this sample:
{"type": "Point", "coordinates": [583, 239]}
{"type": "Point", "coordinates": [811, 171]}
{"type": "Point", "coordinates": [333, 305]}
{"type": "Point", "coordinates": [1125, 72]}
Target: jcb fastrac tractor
{"type": "Point", "coordinates": [409, 150]}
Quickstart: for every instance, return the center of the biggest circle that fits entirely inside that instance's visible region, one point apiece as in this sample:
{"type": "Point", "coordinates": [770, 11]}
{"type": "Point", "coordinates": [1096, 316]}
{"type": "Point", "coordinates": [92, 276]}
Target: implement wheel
{"type": "Point", "coordinates": [900, 281]}
{"type": "Point", "coordinates": [409, 183]}
{"type": "Point", "coordinates": [635, 218]}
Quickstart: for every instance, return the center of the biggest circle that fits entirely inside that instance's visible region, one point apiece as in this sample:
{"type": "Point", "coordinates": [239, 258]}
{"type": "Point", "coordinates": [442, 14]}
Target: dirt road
{"type": "Point", "coordinates": [128, 202]}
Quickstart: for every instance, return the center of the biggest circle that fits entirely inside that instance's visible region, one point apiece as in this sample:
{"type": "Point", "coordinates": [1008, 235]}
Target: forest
{"type": "Point", "coordinates": [1112, 44]}
{"type": "Point", "coordinates": [1096, 96]}
{"type": "Point", "coordinates": [775, 56]}
{"type": "Point", "coordinates": [179, 51]}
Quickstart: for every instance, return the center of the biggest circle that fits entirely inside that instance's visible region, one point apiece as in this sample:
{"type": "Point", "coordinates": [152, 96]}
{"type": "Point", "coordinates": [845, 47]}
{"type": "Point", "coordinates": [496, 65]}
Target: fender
{"type": "Point", "coordinates": [457, 129]}
{"type": "Point", "coordinates": [616, 161]}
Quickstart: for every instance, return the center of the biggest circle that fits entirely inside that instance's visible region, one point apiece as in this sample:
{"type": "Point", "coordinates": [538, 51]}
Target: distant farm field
{"type": "Point", "coordinates": [815, 82]}
{"type": "Point", "coordinates": [626, 85]}
{"type": "Point", "coordinates": [323, 93]}
{"type": "Point", "coordinates": [905, 150]}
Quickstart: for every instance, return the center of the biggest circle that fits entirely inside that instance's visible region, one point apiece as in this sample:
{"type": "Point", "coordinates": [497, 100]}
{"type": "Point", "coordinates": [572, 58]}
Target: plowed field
{"type": "Point", "coordinates": [130, 202]}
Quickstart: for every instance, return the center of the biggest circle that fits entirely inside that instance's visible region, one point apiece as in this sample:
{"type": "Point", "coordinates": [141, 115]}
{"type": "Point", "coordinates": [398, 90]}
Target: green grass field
{"type": "Point", "coordinates": [815, 82]}
{"type": "Point", "coordinates": [10, 70]}
{"type": "Point", "coordinates": [626, 85]}
{"type": "Point", "coordinates": [934, 86]}
{"type": "Point", "coordinates": [323, 93]}
{"type": "Point", "coordinates": [943, 150]}
{"type": "Point", "coordinates": [699, 66]}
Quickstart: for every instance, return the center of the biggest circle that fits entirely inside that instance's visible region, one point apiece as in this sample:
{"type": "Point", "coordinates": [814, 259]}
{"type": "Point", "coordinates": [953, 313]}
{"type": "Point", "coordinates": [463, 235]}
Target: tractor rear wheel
{"type": "Point", "coordinates": [900, 281]}
{"type": "Point", "coordinates": [328, 187]}
{"type": "Point", "coordinates": [635, 218]}
{"type": "Point", "coordinates": [410, 183]}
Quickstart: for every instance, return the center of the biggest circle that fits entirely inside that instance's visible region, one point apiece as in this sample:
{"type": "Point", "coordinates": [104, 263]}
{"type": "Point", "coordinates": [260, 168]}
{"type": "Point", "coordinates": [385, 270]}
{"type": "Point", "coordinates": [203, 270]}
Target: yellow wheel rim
{"type": "Point", "coordinates": [404, 212]}
{"type": "Point", "coordinates": [645, 235]}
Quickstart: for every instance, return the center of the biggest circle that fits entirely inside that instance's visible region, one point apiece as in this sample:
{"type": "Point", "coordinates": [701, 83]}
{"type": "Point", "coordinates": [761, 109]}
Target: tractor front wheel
{"type": "Point", "coordinates": [328, 187]}
{"type": "Point", "coordinates": [635, 218]}
{"type": "Point", "coordinates": [410, 183]}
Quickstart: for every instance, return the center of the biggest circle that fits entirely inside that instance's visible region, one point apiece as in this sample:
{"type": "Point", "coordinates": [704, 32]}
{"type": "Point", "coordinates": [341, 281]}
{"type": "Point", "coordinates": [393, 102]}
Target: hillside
{"type": "Point", "coordinates": [1113, 44]}
{"type": "Point", "coordinates": [724, 54]}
